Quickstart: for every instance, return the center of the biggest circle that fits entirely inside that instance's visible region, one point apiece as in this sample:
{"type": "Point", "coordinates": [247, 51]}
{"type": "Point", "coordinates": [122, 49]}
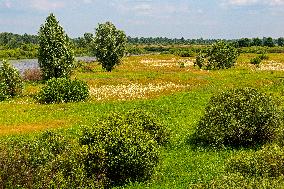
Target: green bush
{"type": "Point", "coordinates": [11, 83]}
{"type": "Point", "coordinates": [146, 121]}
{"type": "Point", "coordinates": [256, 61]}
{"type": "Point", "coordinates": [63, 90]}
{"type": "Point", "coordinates": [51, 160]}
{"type": "Point", "coordinates": [238, 117]}
{"type": "Point", "coordinates": [267, 162]}
{"type": "Point", "coordinates": [238, 181]}
{"type": "Point", "coordinates": [220, 55]}
{"type": "Point", "coordinates": [120, 149]}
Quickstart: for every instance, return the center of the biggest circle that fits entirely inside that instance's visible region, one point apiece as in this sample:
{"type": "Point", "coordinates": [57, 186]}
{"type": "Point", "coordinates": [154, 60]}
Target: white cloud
{"type": "Point", "coordinates": [6, 4]}
{"type": "Point", "coordinates": [150, 8]}
{"type": "Point", "coordinates": [253, 2]}
{"type": "Point", "coordinates": [46, 5]}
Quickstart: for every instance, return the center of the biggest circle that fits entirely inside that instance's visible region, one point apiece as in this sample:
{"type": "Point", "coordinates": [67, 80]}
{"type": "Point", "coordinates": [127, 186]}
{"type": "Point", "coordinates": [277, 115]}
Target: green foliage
{"type": "Point", "coordinates": [51, 160]}
{"type": "Point", "coordinates": [219, 56]}
{"type": "Point", "coordinates": [62, 90]}
{"type": "Point", "coordinates": [109, 45]}
{"type": "Point", "coordinates": [267, 162]}
{"type": "Point", "coordinates": [121, 148]}
{"type": "Point", "coordinates": [55, 55]}
{"type": "Point", "coordinates": [239, 117]}
{"type": "Point", "coordinates": [255, 60]}
{"type": "Point", "coordinates": [11, 83]}
{"type": "Point", "coordinates": [146, 121]}
{"type": "Point", "coordinates": [238, 181]}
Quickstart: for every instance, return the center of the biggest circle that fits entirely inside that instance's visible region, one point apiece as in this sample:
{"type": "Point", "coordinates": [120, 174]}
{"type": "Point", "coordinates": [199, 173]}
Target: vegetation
{"type": "Point", "coordinates": [240, 117]}
{"type": "Point", "coordinates": [59, 90]}
{"type": "Point", "coordinates": [11, 84]}
{"type": "Point", "coordinates": [119, 149]}
{"type": "Point", "coordinates": [55, 55]}
{"type": "Point", "coordinates": [267, 162]}
{"type": "Point", "coordinates": [111, 141]}
{"type": "Point", "coordinates": [109, 45]}
{"type": "Point", "coordinates": [176, 96]}
{"type": "Point", "coordinates": [219, 56]}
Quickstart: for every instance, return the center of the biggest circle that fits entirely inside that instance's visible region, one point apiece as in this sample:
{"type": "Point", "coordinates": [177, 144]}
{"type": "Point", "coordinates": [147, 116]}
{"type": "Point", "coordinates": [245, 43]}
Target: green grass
{"type": "Point", "coordinates": [181, 166]}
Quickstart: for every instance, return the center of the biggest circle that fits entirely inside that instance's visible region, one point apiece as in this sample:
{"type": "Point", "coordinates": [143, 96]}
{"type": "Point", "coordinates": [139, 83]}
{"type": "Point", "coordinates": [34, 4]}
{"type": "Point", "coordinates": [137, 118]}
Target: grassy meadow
{"type": "Point", "coordinates": [166, 85]}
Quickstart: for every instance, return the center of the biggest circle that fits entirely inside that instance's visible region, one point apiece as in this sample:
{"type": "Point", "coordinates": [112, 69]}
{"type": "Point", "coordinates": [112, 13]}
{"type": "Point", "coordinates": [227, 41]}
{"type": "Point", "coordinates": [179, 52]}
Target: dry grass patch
{"type": "Point", "coordinates": [24, 128]}
{"type": "Point", "coordinates": [272, 65]}
{"type": "Point", "coordinates": [134, 91]}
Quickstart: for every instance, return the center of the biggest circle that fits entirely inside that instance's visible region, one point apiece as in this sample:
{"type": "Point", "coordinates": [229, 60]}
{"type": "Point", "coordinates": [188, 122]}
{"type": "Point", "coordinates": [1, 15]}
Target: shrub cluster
{"type": "Point", "coordinates": [257, 60]}
{"type": "Point", "coordinates": [238, 181]}
{"type": "Point", "coordinates": [220, 55]}
{"type": "Point", "coordinates": [63, 90]}
{"type": "Point", "coordinates": [49, 161]}
{"type": "Point", "coordinates": [113, 152]}
{"type": "Point", "coordinates": [238, 117]}
{"type": "Point", "coordinates": [267, 162]}
{"type": "Point", "coordinates": [123, 147]}
{"type": "Point", "coordinates": [11, 83]}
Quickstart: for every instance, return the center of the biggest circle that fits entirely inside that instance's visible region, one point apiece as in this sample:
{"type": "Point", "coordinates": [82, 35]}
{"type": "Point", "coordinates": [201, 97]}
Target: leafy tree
{"type": "Point", "coordinates": [220, 55]}
{"type": "Point", "coordinates": [109, 45]}
{"type": "Point", "coordinates": [280, 41]}
{"type": "Point", "coordinates": [55, 55]}
{"type": "Point", "coordinates": [244, 42]}
{"type": "Point", "coordinates": [256, 42]}
{"type": "Point", "coordinates": [268, 41]}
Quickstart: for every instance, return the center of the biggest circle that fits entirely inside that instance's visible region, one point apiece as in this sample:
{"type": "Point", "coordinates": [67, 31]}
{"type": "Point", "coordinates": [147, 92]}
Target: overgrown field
{"type": "Point", "coordinates": [169, 87]}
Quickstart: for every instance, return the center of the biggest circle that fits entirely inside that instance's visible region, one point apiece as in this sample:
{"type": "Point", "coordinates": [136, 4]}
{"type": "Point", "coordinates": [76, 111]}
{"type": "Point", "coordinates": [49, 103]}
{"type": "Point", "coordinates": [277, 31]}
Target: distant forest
{"type": "Point", "coordinates": [12, 41]}
{"type": "Point", "coordinates": [15, 46]}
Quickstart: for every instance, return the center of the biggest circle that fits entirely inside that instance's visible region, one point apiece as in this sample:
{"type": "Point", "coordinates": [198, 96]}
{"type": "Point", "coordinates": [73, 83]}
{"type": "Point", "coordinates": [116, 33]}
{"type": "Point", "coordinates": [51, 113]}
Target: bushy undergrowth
{"type": "Point", "coordinates": [269, 162]}
{"type": "Point", "coordinates": [33, 74]}
{"type": "Point", "coordinates": [238, 181]}
{"type": "Point", "coordinates": [62, 90]}
{"type": "Point", "coordinates": [11, 83]}
{"type": "Point", "coordinates": [238, 117]}
{"type": "Point", "coordinates": [257, 60]}
{"type": "Point", "coordinates": [116, 150]}
{"type": "Point", "coordinates": [123, 147]}
{"type": "Point", "coordinates": [220, 55]}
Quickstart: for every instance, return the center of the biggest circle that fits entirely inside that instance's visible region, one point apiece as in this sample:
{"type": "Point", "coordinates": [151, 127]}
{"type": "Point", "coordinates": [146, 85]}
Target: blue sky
{"type": "Point", "coordinates": [165, 18]}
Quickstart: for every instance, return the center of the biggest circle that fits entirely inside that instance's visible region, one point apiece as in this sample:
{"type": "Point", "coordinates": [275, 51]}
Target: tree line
{"type": "Point", "coordinates": [27, 41]}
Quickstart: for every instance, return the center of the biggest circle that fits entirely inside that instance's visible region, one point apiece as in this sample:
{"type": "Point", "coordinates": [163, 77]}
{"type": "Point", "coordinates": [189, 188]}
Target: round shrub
{"type": "Point", "coordinates": [59, 90]}
{"type": "Point", "coordinates": [119, 151]}
{"type": "Point", "coordinates": [11, 84]}
{"type": "Point", "coordinates": [239, 117]}
{"type": "Point", "coordinates": [146, 121]}
{"type": "Point", "coordinates": [220, 55]}
{"type": "Point", "coordinates": [268, 162]}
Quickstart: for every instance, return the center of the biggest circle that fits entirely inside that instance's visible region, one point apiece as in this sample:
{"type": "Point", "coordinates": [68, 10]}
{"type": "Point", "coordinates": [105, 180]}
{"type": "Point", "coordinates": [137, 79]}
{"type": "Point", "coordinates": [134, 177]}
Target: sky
{"type": "Point", "coordinates": [218, 19]}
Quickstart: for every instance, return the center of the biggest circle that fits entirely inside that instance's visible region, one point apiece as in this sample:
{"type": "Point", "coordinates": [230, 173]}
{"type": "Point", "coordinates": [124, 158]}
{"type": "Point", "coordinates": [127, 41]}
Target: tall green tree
{"type": "Point", "coordinates": [109, 45]}
{"type": "Point", "coordinates": [55, 54]}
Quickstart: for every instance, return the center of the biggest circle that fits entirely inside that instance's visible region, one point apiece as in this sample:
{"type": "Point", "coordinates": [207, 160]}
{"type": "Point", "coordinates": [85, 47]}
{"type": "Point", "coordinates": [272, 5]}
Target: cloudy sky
{"type": "Point", "coordinates": [165, 18]}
